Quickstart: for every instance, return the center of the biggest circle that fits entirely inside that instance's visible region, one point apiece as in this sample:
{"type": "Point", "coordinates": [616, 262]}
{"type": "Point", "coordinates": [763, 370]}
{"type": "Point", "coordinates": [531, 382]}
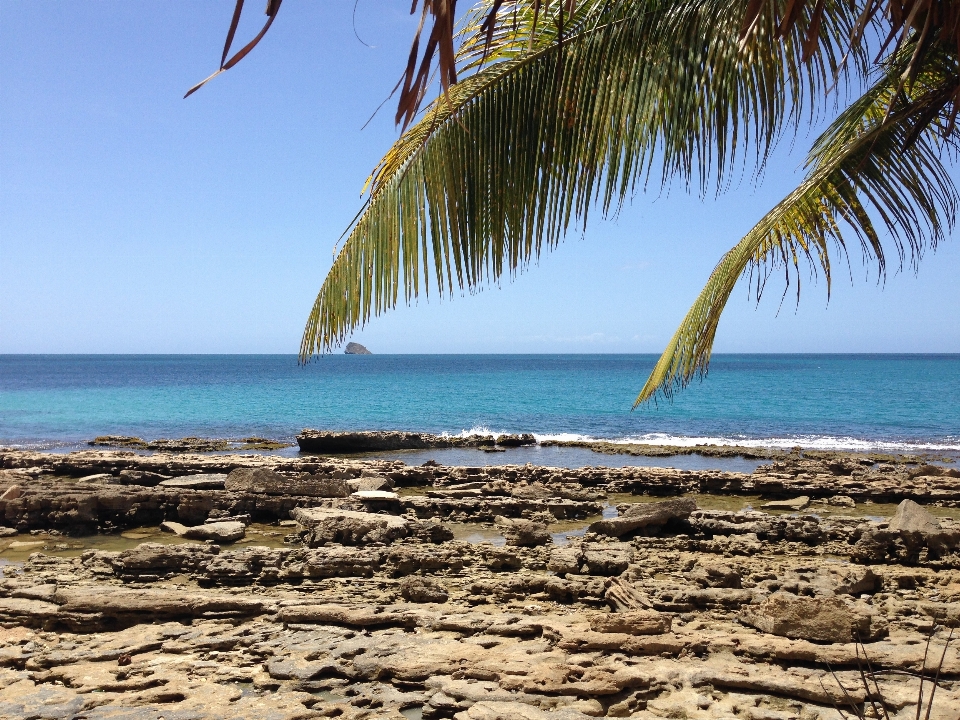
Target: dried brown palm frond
{"type": "Point", "coordinates": [875, 705]}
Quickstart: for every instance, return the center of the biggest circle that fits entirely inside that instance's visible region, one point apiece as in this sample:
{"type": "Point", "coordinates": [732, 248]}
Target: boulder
{"type": "Point", "coordinates": [912, 518]}
{"type": "Point", "coordinates": [523, 533]}
{"type": "Point", "coordinates": [11, 493]}
{"type": "Point", "coordinates": [255, 480]}
{"type": "Point", "coordinates": [564, 560]}
{"type": "Point", "coordinates": [371, 482]}
{"type": "Point", "coordinates": [516, 440]}
{"type": "Point", "coordinates": [348, 442]}
{"type": "Point", "coordinates": [822, 620]}
{"type": "Point", "coordinates": [176, 528]}
{"type": "Point", "coordinates": [607, 559]}
{"type": "Point", "coordinates": [633, 622]}
{"type": "Point", "coordinates": [219, 532]}
{"type": "Point", "coordinates": [348, 527]}
{"type": "Point", "coordinates": [715, 576]}
{"type": "Point", "coordinates": [324, 441]}
{"type": "Point", "coordinates": [422, 590]}
{"type": "Point", "coordinates": [642, 515]}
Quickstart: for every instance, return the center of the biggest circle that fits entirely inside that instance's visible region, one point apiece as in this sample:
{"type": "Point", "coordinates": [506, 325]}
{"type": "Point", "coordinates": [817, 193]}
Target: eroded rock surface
{"type": "Point", "coordinates": [385, 610]}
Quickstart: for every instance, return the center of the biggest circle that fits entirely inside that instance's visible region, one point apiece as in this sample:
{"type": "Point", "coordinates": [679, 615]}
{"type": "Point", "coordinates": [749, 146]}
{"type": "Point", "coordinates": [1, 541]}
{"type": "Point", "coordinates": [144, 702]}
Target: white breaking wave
{"type": "Point", "coordinates": [807, 442]}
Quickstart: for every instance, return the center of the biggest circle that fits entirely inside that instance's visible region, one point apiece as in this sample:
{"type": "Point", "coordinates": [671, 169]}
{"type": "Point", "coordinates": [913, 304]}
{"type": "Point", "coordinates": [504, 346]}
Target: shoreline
{"type": "Point", "coordinates": [370, 442]}
{"type": "Point", "coordinates": [202, 585]}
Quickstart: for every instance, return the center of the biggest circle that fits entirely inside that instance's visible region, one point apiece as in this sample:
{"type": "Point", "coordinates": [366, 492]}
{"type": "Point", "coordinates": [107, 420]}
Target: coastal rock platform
{"type": "Point", "coordinates": [473, 593]}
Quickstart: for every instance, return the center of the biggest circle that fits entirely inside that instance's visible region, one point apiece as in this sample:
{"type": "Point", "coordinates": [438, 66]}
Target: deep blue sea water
{"type": "Point", "coordinates": [889, 402]}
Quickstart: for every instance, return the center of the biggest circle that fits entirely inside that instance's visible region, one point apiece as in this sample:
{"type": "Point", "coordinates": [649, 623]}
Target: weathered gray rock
{"type": "Point", "coordinates": [516, 440]}
{"type": "Point", "coordinates": [371, 482]}
{"type": "Point", "coordinates": [206, 481]}
{"type": "Point", "coordinates": [219, 532]}
{"type": "Point", "coordinates": [171, 526]}
{"type": "Point", "coordinates": [912, 518]}
{"type": "Point", "coordinates": [348, 527]}
{"type": "Point", "coordinates": [11, 493]}
{"type": "Point", "coordinates": [267, 482]}
{"type": "Point", "coordinates": [564, 560]}
{"type": "Point", "coordinates": [523, 533]}
{"type": "Point", "coordinates": [824, 620]}
{"type": "Point", "coordinates": [634, 622]}
{"type": "Point", "coordinates": [606, 559]}
{"type": "Point", "coordinates": [100, 479]}
{"type": "Point", "coordinates": [354, 348]}
{"type": "Point", "coordinates": [152, 602]}
{"type": "Point", "coordinates": [422, 590]}
{"type": "Point", "coordinates": [642, 515]}
{"type": "Point", "coordinates": [795, 504]}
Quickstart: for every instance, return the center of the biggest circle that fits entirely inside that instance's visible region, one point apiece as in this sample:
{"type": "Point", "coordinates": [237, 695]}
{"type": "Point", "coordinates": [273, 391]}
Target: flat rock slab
{"type": "Point", "coordinates": [222, 532]}
{"type": "Point", "coordinates": [155, 602]}
{"type": "Point", "coordinates": [795, 504]}
{"type": "Point", "coordinates": [823, 620]}
{"type": "Point", "coordinates": [634, 622]}
{"type": "Point", "coordinates": [642, 515]}
{"type": "Point", "coordinates": [348, 527]}
{"type": "Point", "coordinates": [100, 479]}
{"type": "Point", "coordinates": [264, 481]}
{"type": "Point", "coordinates": [310, 517]}
{"type": "Point", "coordinates": [211, 481]}
{"type": "Point", "coordinates": [217, 531]}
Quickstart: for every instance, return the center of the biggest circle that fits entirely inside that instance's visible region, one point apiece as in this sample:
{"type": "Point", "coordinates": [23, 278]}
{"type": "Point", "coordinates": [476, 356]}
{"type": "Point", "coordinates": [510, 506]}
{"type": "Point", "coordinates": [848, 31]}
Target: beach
{"type": "Point", "coordinates": [147, 584]}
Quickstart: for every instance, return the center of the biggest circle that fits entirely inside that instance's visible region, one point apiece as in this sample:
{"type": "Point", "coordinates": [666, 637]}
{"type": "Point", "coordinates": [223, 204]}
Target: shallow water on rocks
{"type": "Point", "coordinates": [19, 547]}
{"type": "Point", "coordinates": [564, 457]}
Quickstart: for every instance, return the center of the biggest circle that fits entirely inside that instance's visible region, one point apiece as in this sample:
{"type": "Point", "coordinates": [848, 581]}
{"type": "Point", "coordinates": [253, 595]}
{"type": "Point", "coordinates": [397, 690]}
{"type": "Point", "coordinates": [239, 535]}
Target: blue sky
{"type": "Point", "coordinates": [132, 220]}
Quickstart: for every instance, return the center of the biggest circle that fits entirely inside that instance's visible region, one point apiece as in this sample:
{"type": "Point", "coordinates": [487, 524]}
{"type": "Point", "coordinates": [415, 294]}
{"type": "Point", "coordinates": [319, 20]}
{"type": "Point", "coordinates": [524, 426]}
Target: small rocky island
{"type": "Point", "coordinates": [356, 349]}
{"type": "Point", "coordinates": [189, 585]}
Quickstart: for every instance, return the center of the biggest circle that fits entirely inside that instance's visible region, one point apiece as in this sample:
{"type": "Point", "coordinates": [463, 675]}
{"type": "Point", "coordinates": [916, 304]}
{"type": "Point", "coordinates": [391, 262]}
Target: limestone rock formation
{"type": "Point", "coordinates": [643, 515]}
{"type": "Point", "coordinates": [348, 527]}
{"type": "Point", "coordinates": [268, 482]}
{"type": "Point", "coordinates": [422, 590]}
{"type": "Point", "coordinates": [825, 620]}
{"type": "Point", "coordinates": [356, 349]}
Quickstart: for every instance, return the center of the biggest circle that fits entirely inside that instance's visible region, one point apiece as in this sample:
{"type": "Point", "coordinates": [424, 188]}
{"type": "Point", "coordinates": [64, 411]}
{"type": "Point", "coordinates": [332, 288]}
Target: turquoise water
{"type": "Point", "coordinates": [889, 402]}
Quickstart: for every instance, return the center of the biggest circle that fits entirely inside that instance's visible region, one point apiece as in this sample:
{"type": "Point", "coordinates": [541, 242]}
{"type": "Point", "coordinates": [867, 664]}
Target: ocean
{"type": "Point", "coordinates": [895, 403]}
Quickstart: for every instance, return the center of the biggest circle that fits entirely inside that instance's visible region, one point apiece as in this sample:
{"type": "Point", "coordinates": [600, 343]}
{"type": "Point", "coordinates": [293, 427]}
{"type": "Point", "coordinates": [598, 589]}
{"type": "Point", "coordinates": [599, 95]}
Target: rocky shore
{"type": "Point", "coordinates": [247, 586]}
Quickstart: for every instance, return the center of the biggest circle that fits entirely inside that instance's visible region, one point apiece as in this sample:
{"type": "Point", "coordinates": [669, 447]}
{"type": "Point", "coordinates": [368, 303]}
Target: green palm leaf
{"type": "Point", "coordinates": [867, 160]}
{"type": "Point", "coordinates": [501, 166]}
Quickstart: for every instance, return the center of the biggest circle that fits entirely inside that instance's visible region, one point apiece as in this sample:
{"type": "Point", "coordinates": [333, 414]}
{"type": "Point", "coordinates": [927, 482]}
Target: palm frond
{"type": "Point", "coordinates": [505, 162]}
{"type": "Point", "coordinates": [869, 163]}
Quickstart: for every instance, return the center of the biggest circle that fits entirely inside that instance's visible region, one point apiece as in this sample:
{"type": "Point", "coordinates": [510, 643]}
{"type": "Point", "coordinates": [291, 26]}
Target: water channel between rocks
{"type": "Point", "coordinates": [15, 550]}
